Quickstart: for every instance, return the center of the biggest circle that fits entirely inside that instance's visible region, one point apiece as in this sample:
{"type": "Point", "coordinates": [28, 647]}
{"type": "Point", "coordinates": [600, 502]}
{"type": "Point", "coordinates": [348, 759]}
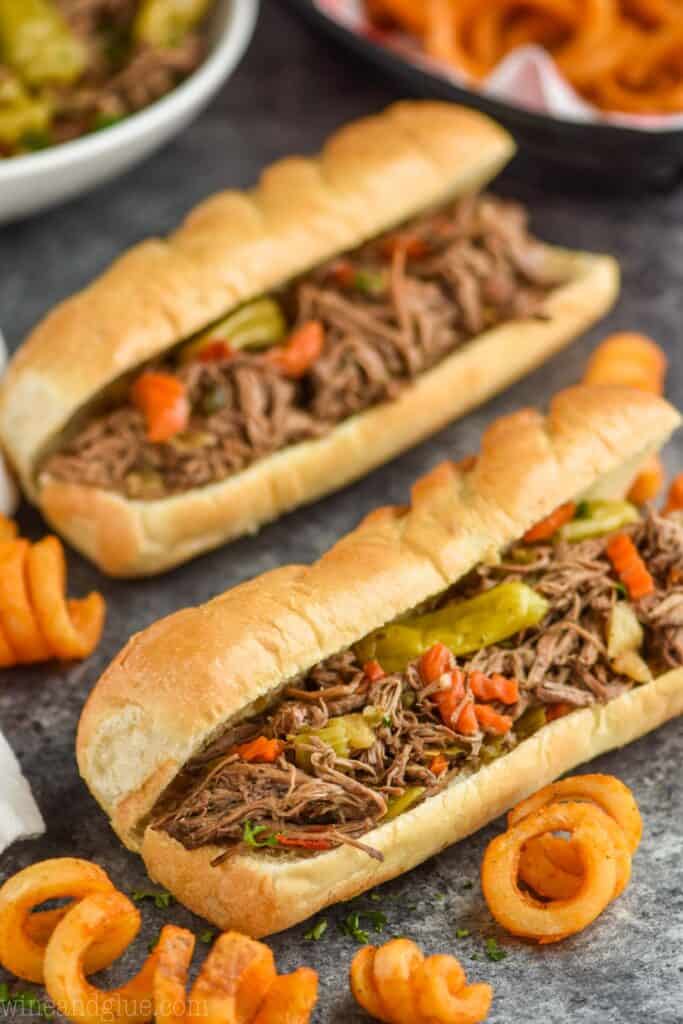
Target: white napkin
{"type": "Point", "coordinates": [9, 498]}
{"type": "Point", "coordinates": [527, 77]}
{"type": "Point", "coordinates": [19, 814]}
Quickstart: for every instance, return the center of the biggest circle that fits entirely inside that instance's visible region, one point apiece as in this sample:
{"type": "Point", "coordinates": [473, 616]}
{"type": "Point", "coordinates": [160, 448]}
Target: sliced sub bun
{"type": "Point", "coordinates": [371, 176]}
{"type": "Point", "coordinates": [176, 686]}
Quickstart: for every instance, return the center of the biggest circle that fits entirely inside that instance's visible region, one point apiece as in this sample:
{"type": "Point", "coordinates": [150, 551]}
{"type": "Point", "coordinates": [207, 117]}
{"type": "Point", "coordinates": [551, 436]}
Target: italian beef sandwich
{"type": "Point", "coordinates": [320, 729]}
{"type": "Point", "coordinates": [286, 340]}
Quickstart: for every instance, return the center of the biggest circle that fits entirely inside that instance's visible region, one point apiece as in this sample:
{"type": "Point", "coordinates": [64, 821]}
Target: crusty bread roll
{"type": "Point", "coordinates": [371, 176]}
{"type": "Point", "coordinates": [181, 682]}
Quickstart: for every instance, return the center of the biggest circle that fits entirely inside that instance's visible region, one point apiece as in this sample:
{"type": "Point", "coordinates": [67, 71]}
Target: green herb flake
{"type": "Point", "coordinates": [351, 926]}
{"type": "Point", "coordinates": [154, 943]}
{"type": "Point", "coordinates": [468, 885]}
{"type": "Point", "coordinates": [582, 510]}
{"type": "Point", "coordinates": [440, 897]}
{"type": "Point", "coordinates": [475, 956]}
{"type": "Point", "coordinates": [370, 282]}
{"type": "Point", "coordinates": [386, 721]}
{"type": "Point", "coordinates": [251, 833]}
{"type": "Point", "coordinates": [621, 590]}
{"type": "Point", "coordinates": [493, 950]}
{"type": "Point", "coordinates": [317, 931]}
{"type": "Point", "coordinates": [207, 936]}
{"type": "Point", "coordinates": [376, 897]}
{"type": "Point", "coordinates": [462, 933]}
{"type": "Point", "coordinates": [162, 899]}
{"type": "Point", "coordinates": [355, 924]}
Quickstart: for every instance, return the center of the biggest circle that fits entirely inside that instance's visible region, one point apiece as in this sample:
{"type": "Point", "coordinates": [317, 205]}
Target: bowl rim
{"type": "Point", "coordinates": [225, 54]}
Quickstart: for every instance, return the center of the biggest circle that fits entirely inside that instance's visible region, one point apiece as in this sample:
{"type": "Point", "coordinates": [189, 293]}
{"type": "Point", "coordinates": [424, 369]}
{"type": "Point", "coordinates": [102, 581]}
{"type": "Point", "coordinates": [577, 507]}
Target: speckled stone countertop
{"type": "Point", "coordinates": [293, 89]}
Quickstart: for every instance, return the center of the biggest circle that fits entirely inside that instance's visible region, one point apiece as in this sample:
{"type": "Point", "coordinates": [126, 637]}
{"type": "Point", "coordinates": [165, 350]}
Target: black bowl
{"type": "Point", "coordinates": [627, 156]}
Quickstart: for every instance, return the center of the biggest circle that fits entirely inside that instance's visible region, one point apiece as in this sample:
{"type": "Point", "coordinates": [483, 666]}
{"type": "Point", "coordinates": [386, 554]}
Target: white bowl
{"type": "Point", "coordinates": [33, 182]}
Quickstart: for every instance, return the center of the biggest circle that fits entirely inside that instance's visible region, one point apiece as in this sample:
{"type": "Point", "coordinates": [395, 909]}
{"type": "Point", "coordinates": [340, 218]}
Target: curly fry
{"type": "Point", "coordinates": [174, 952]}
{"type": "Point", "coordinates": [24, 935]}
{"type": "Point", "coordinates": [73, 628]}
{"type": "Point", "coordinates": [394, 967]}
{"type": "Point", "coordinates": [605, 791]}
{"type": "Point", "coordinates": [65, 982]}
{"type": "Point", "coordinates": [17, 616]}
{"type": "Point", "coordinates": [8, 529]}
{"type": "Point", "coordinates": [628, 360]}
{"type": "Point", "coordinates": [233, 982]}
{"type": "Point", "coordinates": [362, 980]}
{"type": "Point", "coordinates": [540, 870]}
{"type": "Point", "coordinates": [290, 1000]}
{"type": "Point", "coordinates": [619, 54]}
{"type": "Point", "coordinates": [648, 483]}
{"type": "Point", "coordinates": [7, 656]}
{"type": "Point", "coordinates": [444, 995]}
{"type": "Point", "coordinates": [519, 912]}
{"type": "Point", "coordinates": [397, 985]}
{"type": "Point", "coordinates": [674, 499]}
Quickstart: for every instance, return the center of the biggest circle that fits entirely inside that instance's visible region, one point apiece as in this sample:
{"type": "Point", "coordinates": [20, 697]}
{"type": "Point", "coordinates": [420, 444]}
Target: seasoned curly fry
{"type": "Point", "coordinates": [628, 360]}
{"type": "Point", "coordinates": [24, 933]}
{"type": "Point", "coordinates": [290, 1000]}
{"type": "Point", "coordinates": [444, 995]}
{"type": "Point", "coordinates": [72, 629]}
{"type": "Point", "coordinates": [540, 870]}
{"type": "Point", "coordinates": [7, 656]}
{"type": "Point", "coordinates": [605, 791]}
{"type": "Point", "coordinates": [648, 483]}
{"type": "Point", "coordinates": [83, 1003]}
{"type": "Point", "coordinates": [519, 912]}
{"type": "Point", "coordinates": [398, 985]}
{"type": "Point", "coordinates": [674, 499]}
{"type": "Point", "coordinates": [233, 981]}
{"type": "Point", "coordinates": [237, 983]}
{"type": "Point", "coordinates": [622, 55]}
{"type": "Point", "coordinates": [174, 953]}
{"type": "Point", "coordinates": [8, 529]}
{"type": "Point", "coordinates": [16, 612]}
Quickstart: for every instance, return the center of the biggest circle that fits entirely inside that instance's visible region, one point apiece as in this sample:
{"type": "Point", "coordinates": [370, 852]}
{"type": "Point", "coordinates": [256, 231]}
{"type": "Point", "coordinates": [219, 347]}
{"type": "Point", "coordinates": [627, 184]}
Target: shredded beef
{"type": "Point", "coordinates": [481, 268]}
{"type": "Point", "coordinates": [563, 660]}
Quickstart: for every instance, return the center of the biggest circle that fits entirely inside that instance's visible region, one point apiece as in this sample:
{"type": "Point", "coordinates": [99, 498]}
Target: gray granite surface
{"type": "Point", "coordinates": [291, 90]}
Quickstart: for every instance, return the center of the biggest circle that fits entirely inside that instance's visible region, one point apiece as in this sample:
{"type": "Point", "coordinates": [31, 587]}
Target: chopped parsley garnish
{"type": "Point", "coordinates": [386, 721]}
{"type": "Point", "coordinates": [582, 510]}
{"type": "Point", "coordinates": [207, 936]}
{"type": "Point", "coordinates": [24, 1001]}
{"type": "Point", "coordinates": [468, 885]}
{"type": "Point", "coordinates": [162, 899]}
{"type": "Point", "coordinates": [462, 933]}
{"type": "Point", "coordinates": [376, 897]}
{"type": "Point", "coordinates": [493, 950]}
{"type": "Point", "coordinates": [621, 590]}
{"type": "Point", "coordinates": [251, 833]}
{"type": "Point", "coordinates": [352, 924]}
{"type": "Point", "coordinates": [440, 897]}
{"type": "Point", "coordinates": [154, 943]}
{"type": "Point", "coordinates": [317, 931]}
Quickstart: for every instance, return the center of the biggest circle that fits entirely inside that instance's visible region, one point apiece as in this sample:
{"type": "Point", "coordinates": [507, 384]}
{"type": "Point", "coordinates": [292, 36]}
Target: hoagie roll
{"type": "Point", "coordinates": [320, 729]}
{"type": "Point", "coordinates": [284, 341]}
